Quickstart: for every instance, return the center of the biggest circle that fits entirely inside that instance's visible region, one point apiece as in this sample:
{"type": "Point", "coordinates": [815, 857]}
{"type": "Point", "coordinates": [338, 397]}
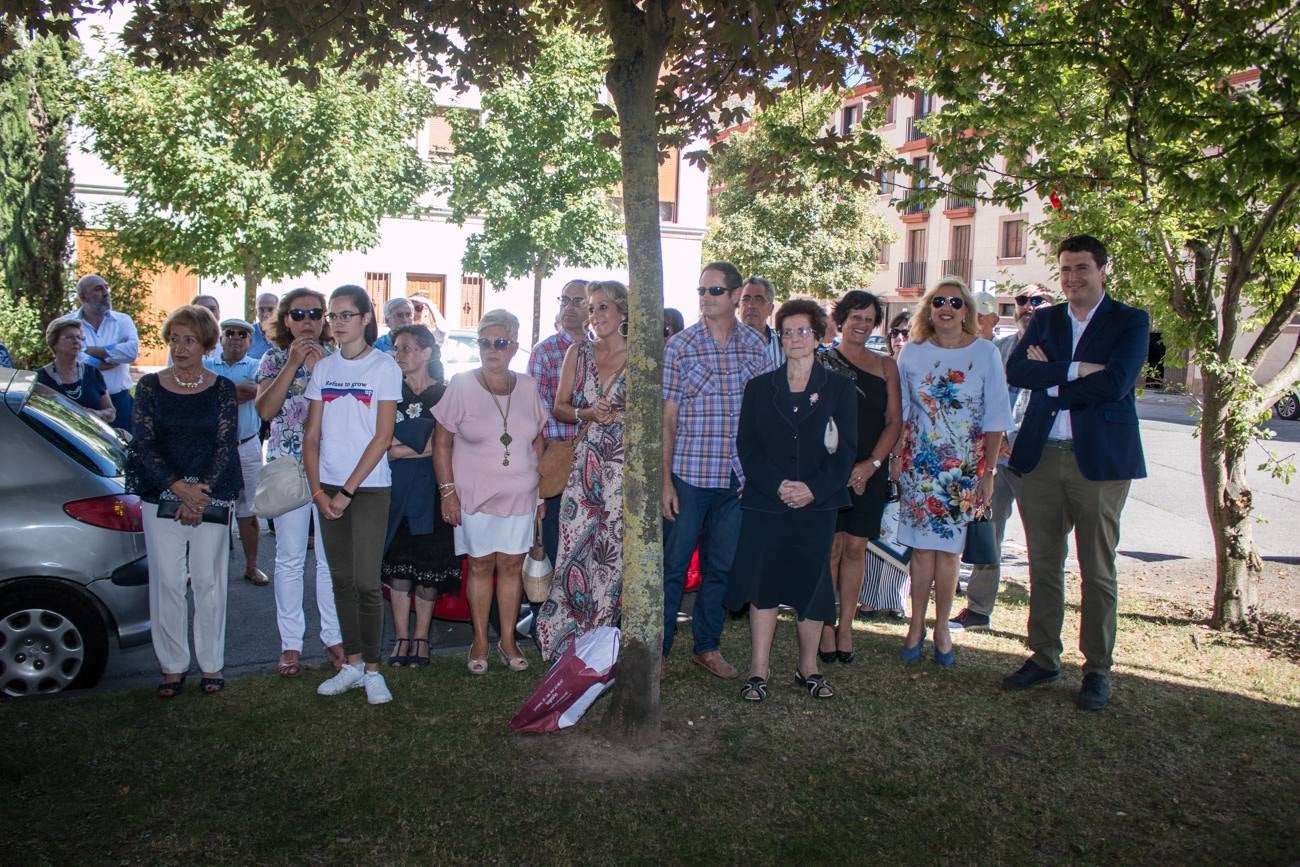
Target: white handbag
{"type": "Point", "coordinates": [537, 569]}
{"type": "Point", "coordinates": [831, 437]}
{"type": "Point", "coordinates": [281, 487]}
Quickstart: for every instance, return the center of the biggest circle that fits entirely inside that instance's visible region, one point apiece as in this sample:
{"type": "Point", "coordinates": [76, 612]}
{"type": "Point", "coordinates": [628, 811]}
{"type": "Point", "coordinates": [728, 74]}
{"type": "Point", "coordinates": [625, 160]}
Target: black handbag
{"type": "Point", "coordinates": [212, 514]}
{"type": "Point", "coordinates": [981, 547]}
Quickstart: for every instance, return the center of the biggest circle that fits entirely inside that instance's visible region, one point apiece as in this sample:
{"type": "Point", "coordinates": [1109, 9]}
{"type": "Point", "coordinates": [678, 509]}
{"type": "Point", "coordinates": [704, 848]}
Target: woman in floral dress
{"type": "Point", "coordinates": [955, 409]}
{"type": "Point", "coordinates": [587, 588]}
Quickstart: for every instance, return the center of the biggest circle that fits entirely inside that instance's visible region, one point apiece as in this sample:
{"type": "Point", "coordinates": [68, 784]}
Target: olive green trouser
{"type": "Point", "coordinates": [1056, 498]}
{"type": "Point", "coordinates": [354, 546]}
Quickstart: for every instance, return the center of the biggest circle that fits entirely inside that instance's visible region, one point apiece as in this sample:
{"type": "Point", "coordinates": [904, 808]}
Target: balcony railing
{"type": "Point", "coordinates": [959, 268]}
{"type": "Point", "coordinates": [913, 131]}
{"type": "Point", "coordinates": [958, 202]}
{"type": "Point", "coordinates": [911, 275]}
{"type": "Point", "coordinates": [915, 207]}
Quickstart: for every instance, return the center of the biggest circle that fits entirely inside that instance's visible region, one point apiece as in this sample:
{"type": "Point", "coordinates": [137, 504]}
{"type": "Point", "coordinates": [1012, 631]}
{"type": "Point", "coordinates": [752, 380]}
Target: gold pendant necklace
{"type": "Point", "coordinates": [506, 439]}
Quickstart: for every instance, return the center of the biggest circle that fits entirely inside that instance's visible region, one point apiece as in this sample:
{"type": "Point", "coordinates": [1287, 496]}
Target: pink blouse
{"type": "Point", "coordinates": [482, 483]}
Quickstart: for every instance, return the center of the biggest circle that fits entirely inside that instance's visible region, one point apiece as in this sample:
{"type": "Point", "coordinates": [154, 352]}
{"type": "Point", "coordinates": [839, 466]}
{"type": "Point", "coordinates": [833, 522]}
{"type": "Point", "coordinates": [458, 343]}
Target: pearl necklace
{"type": "Point", "coordinates": [183, 384]}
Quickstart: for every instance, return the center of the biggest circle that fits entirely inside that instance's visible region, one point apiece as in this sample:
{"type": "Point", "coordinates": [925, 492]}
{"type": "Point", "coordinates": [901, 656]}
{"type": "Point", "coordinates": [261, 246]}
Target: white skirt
{"type": "Point", "coordinates": [482, 534]}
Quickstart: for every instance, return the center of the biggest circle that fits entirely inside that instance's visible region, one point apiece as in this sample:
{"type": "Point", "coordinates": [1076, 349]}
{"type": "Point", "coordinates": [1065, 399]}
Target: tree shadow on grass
{"type": "Point", "coordinates": [910, 764]}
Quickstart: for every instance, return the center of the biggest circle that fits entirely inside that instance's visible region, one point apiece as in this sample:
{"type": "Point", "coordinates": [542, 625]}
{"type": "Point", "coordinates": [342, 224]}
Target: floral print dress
{"type": "Point", "coordinates": [289, 423]}
{"type": "Point", "coordinates": [951, 398]}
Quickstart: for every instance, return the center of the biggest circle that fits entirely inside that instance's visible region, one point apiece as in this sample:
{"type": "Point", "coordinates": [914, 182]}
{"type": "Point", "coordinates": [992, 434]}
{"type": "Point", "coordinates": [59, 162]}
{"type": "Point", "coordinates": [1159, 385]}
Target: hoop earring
{"type": "Point", "coordinates": [622, 328]}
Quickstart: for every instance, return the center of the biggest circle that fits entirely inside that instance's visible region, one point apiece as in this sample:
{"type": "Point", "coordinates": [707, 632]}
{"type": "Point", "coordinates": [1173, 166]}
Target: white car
{"type": "Point", "coordinates": [460, 353]}
{"type": "Point", "coordinates": [1289, 406]}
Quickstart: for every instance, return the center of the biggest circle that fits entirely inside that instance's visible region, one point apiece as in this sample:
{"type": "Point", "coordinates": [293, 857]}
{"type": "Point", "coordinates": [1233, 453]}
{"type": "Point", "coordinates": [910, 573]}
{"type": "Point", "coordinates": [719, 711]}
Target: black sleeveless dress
{"type": "Point", "coordinates": [862, 519]}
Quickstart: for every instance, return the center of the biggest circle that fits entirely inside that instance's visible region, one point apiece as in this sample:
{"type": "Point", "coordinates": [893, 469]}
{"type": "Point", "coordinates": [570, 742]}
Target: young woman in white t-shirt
{"type": "Point", "coordinates": [354, 395]}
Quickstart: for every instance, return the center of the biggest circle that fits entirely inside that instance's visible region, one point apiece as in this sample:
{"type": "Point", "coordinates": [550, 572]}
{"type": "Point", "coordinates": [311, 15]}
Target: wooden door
{"type": "Point", "coordinates": [431, 286]}
{"type": "Point", "coordinates": [471, 300]}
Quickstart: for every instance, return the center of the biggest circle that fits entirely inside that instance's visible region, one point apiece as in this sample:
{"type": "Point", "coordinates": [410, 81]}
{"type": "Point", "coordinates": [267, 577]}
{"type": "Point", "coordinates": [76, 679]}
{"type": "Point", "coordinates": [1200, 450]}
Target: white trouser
{"type": "Point", "coordinates": [290, 556]}
{"type": "Point", "coordinates": [166, 541]}
{"type": "Point", "coordinates": [250, 462]}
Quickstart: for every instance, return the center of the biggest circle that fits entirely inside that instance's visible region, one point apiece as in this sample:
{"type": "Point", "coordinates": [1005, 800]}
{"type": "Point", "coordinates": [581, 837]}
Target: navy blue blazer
{"type": "Point", "coordinates": [775, 444]}
{"type": "Point", "coordinates": [1102, 406]}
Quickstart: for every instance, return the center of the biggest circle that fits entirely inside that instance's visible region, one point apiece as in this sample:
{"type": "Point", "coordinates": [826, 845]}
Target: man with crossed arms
{"type": "Point", "coordinates": [1079, 450]}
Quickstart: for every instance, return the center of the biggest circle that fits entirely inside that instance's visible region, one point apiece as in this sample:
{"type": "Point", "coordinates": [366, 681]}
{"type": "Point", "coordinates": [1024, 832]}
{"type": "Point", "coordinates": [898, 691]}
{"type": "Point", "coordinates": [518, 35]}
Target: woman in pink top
{"type": "Point", "coordinates": [485, 454]}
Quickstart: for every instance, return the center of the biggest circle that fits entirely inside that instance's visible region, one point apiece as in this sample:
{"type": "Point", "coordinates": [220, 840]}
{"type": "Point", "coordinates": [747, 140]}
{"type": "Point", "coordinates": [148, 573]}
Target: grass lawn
{"type": "Point", "coordinates": [1196, 761]}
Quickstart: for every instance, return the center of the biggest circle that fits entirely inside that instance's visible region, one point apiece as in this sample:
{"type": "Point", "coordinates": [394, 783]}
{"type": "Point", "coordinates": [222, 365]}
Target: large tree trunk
{"type": "Point", "coordinates": [539, 272]}
{"type": "Point", "coordinates": [640, 39]}
{"type": "Point", "coordinates": [1229, 504]}
{"type": "Point", "coordinates": [252, 281]}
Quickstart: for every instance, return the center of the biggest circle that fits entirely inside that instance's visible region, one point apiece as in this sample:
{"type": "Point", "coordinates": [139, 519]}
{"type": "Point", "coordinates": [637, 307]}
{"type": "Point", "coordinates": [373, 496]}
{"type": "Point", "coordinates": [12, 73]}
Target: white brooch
{"type": "Point", "coordinates": [831, 439]}
{"type": "Point", "coordinates": [812, 399]}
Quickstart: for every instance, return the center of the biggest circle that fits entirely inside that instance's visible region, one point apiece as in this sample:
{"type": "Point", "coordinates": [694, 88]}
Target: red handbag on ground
{"type": "Point", "coordinates": [584, 670]}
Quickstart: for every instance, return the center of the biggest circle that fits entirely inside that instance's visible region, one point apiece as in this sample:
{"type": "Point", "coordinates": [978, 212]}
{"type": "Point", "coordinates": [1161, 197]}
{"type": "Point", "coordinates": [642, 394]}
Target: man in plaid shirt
{"type": "Point", "coordinates": [706, 368]}
{"type": "Point", "coordinates": [544, 365]}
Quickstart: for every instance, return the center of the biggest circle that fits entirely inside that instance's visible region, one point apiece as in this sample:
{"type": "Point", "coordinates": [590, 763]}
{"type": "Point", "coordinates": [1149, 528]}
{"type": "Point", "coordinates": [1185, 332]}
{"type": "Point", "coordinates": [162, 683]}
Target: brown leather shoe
{"type": "Point", "coordinates": [713, 662]}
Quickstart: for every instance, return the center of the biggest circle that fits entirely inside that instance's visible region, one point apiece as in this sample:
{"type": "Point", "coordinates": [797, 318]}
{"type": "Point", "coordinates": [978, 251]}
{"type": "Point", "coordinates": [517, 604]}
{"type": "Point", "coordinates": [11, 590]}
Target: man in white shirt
{"type": "Point", "coordinates": [112, 344]}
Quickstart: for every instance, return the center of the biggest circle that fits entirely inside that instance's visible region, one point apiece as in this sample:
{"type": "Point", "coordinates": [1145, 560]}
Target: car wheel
{"type": "Point", "coordinates": [1288, 407]}
{"type": "Point", "coordinates": [50, 641]}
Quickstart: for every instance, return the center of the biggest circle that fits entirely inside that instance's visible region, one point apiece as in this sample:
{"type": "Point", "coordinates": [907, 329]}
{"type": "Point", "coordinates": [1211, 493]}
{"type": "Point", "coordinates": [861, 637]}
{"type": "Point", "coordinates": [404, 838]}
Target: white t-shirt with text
{"type": "Point", "coordinates": [351, 391]}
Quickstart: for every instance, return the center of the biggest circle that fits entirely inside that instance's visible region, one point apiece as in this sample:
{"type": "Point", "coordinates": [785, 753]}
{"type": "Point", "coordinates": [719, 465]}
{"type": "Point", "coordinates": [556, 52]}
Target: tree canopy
{"type": "Point", "coordinates": [1170, 131]}
{"type": "Point", "coordinates": [533, 167]}
{"type": "Point", "coordinates": [235, 172]}
{"type": "Point", "coordinates": [780, 217]}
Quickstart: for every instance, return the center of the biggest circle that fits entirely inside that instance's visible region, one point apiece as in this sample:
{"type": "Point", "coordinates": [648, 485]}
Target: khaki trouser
{"type": "Point", "coordinates": [1056, 498]}
{"type": "Point", "coordinates": [354, 545]}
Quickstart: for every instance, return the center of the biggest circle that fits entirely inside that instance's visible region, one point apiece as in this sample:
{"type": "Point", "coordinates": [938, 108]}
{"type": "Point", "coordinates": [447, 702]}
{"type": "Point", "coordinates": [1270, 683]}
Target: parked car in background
{"type": "Point", "coordinates": [876, 343]}
{"type": "Point", "coordinates": [460, 353]}
{"type": "Point", "coordinates": [1289, 406]}
{"type": "Point", "coordinates": [73, 572]}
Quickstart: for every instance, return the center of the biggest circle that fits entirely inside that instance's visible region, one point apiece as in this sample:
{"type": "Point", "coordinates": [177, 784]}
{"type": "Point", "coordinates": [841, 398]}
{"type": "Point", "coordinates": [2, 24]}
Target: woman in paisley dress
{"type": "Point", "coordinates": [587, 588]}
{"type": "Point", "coordinates": [955, 410]}
{"type": "Point", "coordinates": [299, 338]}
{"type": "Point", "coordinates": [420, 558]}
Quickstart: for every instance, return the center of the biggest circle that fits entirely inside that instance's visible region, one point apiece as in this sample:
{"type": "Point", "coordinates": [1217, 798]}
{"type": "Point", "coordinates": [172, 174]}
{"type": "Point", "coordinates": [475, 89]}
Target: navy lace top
{"type": "Point", "coordinates": [180, 436]}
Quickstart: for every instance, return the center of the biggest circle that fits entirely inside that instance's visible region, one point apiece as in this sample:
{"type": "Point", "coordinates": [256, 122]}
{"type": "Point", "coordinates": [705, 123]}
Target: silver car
{"type": "Point", "coordinates": [460, 353]}
{"type": "Point", "coordinates": [73, 572]}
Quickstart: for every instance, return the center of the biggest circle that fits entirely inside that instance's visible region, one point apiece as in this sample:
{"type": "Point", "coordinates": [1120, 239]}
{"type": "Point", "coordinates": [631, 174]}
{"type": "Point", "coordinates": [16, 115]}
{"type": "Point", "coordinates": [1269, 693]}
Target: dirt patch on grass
{"type": "Point", "coordinates": [585, 752]}
{"type": "Point", "coordinates": [1191, 582]}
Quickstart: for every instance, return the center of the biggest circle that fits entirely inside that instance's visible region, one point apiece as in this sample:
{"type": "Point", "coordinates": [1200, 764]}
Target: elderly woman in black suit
{"type": "Point", "coordinates": [797, 442]}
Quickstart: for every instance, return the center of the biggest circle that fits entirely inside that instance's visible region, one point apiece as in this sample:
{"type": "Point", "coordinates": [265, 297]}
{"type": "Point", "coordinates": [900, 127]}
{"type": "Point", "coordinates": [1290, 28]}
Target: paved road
{"type": "Point", "coordinates": [1165, 519]}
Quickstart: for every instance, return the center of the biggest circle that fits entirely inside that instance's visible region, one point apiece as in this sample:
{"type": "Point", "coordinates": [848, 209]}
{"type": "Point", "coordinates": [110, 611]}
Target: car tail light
{"type": "Point", "coordinates": [112, 512]}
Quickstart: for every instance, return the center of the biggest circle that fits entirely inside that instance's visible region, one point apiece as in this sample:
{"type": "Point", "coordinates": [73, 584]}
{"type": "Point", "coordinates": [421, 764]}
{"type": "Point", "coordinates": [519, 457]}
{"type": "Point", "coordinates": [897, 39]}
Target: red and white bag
{"type": "Point", "coordinates": [578, 677]}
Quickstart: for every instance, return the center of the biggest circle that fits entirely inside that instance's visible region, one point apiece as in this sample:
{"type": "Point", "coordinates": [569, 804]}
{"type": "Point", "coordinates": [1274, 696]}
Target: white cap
{"type": "Point", "coordinates": [986, 304]}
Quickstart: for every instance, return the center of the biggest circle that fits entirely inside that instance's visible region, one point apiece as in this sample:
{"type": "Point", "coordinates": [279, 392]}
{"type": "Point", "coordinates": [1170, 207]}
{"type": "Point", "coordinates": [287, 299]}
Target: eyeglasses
{"type": "Point", "coordinates": [419, 306]}
{"type": "Point", "coordinates": [715, 291]}
{"type": "Point", "coordinates": [312, 313]}
{"type": "Point", "coordinates": [801, 331]}
{"type": "Point", "coordinates": [498, 343]}
{"type": "Point", "coordinates": [1031, 300]}
{"type": "Point", "coordinates": [898, 332]}
{"type": "Point", "coordinates": [571, 302]}
{"type": "Point", "coordinates": [236, 333]}
{"type": "Point", "coordinates": [270, 309]}
{"type": "Point", "coordinates": [938, 301]}
{"type": "Point", "coordinates": [342, 316]}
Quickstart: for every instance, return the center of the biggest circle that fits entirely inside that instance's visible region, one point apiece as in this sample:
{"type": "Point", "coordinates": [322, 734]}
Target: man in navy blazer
{"type": "Point", "coordinates": [1078, 449]}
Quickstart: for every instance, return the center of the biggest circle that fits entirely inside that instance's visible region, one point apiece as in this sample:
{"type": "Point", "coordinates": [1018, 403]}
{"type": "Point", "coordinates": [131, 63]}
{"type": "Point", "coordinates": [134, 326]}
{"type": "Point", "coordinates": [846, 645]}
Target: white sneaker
{"type": "Point", "coordinates": [348, 677]}
{"type": "Point", "coordinates": [376, 690]}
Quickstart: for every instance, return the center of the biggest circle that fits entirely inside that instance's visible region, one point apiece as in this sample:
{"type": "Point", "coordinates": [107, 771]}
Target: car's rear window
{"type": "Point", "coordinates": [81, 436]}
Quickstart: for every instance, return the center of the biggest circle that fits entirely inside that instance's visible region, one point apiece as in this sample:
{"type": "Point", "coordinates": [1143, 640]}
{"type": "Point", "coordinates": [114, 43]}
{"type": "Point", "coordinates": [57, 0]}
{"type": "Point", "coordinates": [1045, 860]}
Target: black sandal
{"type": "Point", "coordinates": [212, 685]}
{"type": "Point", "coordinates": [755, 689]}
{"type": "Point", "coordinates": [171, 689]}
{"type": "Point", "coordinates": [815, 684]}
{"type": "Point", "coordinates": [827, 656]}
{"type": "Point", "coordinates": [415, 659]}
{"type": "Point", "coordinates": [397, 660]}
{"type": "Point", "coordinates": [844, 656]}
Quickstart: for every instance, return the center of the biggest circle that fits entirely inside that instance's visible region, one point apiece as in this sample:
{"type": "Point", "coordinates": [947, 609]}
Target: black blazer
{"type": "Point", "coordinates": [1102, 406]}
{"type": "Point", "coordinates": [776, 444]}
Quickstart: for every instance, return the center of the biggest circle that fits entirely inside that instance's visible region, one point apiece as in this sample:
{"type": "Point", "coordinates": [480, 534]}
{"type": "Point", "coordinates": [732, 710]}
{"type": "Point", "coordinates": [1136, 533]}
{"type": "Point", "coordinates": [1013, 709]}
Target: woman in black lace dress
{"type": "Point", "coordinates": [184, 464]}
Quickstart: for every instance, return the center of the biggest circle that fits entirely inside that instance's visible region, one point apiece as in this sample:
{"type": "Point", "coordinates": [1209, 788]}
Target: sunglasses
{"type": "Point", "coordinates": [939, 301]}
{"type": "Point", "coordinates": [312, 313]}
{"type": "Point", "coordinates": [715, 291]}
{"type": "Point", "coordinates": [1031, 300]}
{"type": "Point", "coordinates": [236, 334]}
{"type": "Point", "coordinates": [498, 343]}
{"type": "Point", "coordinates": [898, 332]}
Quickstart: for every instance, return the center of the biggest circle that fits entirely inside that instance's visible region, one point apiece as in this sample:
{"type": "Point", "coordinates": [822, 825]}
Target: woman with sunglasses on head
{"type": "Point", "coordinates": [353, 397]}
{"type": "Point", "coordinates": [588, 586]}
{"type": "Point", "coordinates": [955, 410]}
{"type": "Point", "coordinates": [879, 424]}
{"type": "Point", "coordinates": [485, 454]}
{"type": "Point", "coordinates": [299, 339]}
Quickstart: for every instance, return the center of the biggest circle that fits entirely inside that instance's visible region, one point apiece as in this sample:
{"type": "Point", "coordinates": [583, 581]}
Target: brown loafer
{"type": "Point", "coordinates": [713, 662]}
{"type": "Point", "coordinates": [258, 577]}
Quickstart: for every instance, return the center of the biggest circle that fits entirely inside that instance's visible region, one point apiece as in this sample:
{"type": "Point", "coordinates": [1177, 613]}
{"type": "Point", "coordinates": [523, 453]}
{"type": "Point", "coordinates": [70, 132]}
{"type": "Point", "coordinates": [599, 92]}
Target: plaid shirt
{"type": "Point", "coordinates": [544, 365]}
{"type": "Point", "coordinates": [707, 382]}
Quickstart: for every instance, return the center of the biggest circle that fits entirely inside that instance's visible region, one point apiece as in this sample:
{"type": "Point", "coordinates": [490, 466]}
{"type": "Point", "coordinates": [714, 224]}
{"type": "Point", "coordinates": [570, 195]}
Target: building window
{"type": "Point", "coordinates": [922, 105]}
{"type": "Point", "coordinates": [849, 116]}
{"type": "Point", "coordinates": [889, 111]}
{"type": "Point", "coordinates": [885, 177]}
{"type": "Point", "coordinates": [668, 180]}
{"type": "Point", "coordinates": [378, 287]}
{"type": "Point", "coordinates": [1012, 243]}
{"type": "Point", "coordinates": [882, 253]}
{"type": "Point", "coordinates": [920, 180]}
